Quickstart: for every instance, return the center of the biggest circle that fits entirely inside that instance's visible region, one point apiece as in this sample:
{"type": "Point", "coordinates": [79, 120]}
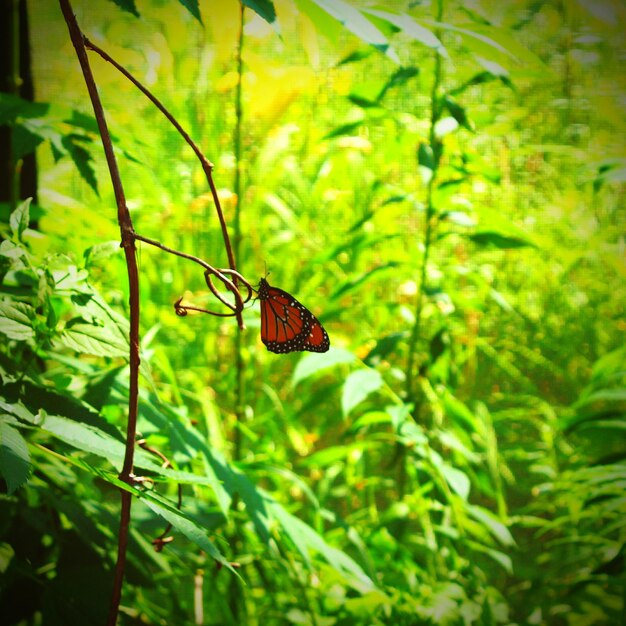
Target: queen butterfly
{"type": "Point", "coordinates": [287, 325]}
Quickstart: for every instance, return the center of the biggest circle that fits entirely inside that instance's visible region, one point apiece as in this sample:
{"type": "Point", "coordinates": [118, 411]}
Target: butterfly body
{"type": "Point", "coordinates": [287, 325]}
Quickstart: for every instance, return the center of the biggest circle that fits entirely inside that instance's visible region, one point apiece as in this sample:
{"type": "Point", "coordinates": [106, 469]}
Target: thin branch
{"type": "Point", "coordinates": [435, 114]}
{"type": "Point", "coordinates": [221, 274]}
{"type": "Point", "coordinates": [128, 244]}
{"type": "Point", "coordinates": [207, 166]}
{"type": "Point", "coordinates": [238, 149]}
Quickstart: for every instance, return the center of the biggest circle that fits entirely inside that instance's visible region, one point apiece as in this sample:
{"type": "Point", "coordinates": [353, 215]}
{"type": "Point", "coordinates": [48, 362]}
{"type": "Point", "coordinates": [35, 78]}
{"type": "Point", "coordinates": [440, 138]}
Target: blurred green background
{"type": "Point", "coordinates": [443, 185]}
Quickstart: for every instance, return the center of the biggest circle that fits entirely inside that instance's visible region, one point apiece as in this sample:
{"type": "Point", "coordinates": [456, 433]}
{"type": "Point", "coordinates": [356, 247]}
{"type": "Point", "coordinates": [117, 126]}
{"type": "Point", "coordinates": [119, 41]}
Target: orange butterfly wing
{"type": "Point", "coordinates": [287, 325]}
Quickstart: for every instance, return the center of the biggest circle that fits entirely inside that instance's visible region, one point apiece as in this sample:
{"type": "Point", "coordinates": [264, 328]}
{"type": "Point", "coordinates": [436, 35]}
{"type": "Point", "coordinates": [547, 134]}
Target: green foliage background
{"type": "Point", "coordinates": [458, 456]}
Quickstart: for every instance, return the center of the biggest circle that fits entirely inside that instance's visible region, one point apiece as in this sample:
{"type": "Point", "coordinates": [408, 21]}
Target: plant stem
{"type": "Point", "coordinates": [435, 113]}
{"type": "Point", "coordinates": [240, 389]}
{"type": "Point", "coordinates": [207, 166]}
{"type": "Point", "coordinates": [128, 244]}
{"type": "Point", "coordinates": [238, 607]}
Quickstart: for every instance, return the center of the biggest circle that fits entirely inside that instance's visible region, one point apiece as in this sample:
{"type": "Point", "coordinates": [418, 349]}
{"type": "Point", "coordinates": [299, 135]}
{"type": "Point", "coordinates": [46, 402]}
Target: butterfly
{"type": "Point", "coordinates": [287, 325]}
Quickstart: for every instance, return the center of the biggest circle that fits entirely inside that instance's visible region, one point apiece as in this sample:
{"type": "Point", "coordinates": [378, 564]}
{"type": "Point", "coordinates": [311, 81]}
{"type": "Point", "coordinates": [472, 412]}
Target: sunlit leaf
{"type": "Point", "coordinates": [307, 540]}
{"type": "Point", "coordinates": [311, 364]}
{"type": "Point", "coordinates": [355, 22]}
{"type": "Point", "coordinates": [411, 28]}
{"type": "Point", "coordinates": [19, 218]}
{"type": "Point", "coordinates": [457, 480]}
{"type": "Point", "coordinates": [15, 465]}
{"type": "Point", "coordinates": [187, 526]}
{"type": "Point", "coordinates": [264, 8]}
{"type": "Point", "coordinates": [92, 339]}
{"type": "Point", "coordinates": [16, 320]}
{"type": "Point", "coordinates": [359, 384]}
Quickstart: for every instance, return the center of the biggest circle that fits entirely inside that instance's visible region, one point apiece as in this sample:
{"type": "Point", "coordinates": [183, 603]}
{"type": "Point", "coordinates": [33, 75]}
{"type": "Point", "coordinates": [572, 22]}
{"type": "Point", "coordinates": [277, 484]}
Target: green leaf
{"type": "Point", "coordinates": [15, 465]}
{"type": "Point", "coordinates": [95, 340]}
{"type": "Point", "coordinates": [82, 159]}
{"type": "Point", "coordinates": [493, 239]}
{"type": "Point", "coordinates": [127, 5]}
{"type": "Point", "coordinates": [358, 386]}
{"type": "Point", "coordinates": [492, 523]}
{"type": "Point", "coordinates": [400, 77]}
{"type": "Point", "coordinates": [425, 156]}
{"type": "Point", "coordinates": [504, 560]}
{"type": "Point", "coordinates": [20, 218]}
{"type": "Point", "coordinates": [11, 251]}
{"type": "Point", "coordinates": [458, 480]}
{"type": "Point", "coordinates": [25, 140]}
{"type": "Point", "coordinates": [385, 346]}
{"type": "Point", "coordinates": [356, 23]}
{"type": "Point", "coordinates": [412, 29]}
{"type": "Point", "coordinates": [459, 218]}
{"type": "Point", "coordinates": [355, 283]}
{"type": "Point", "coordinates": [264, 8]}
{"type": "Point", "coordinates": [460, 412]}
{"type": "Point", "coordinates": [311, 364]}
{"type": "Point", "coordinates": [16, 320]}
{"type": "Point", "coordinates": [364, 103]}
{"type": "Point", "coordinates": [457, 112]}
{"type": "Point", "coordinates": [13, 107]}
{"type": "Point", "coordinates": [187, 526]}
{"type": "Point", "coordinates": [192, 7]}
{"type": "Point", "coordinates": [357, 55]}
{"type": "Point", "coordinates": [371, 418]}
{"type": "Point", "coordinates": [305, 539]}
{"type": "Point", "coordinates": [344, 129]}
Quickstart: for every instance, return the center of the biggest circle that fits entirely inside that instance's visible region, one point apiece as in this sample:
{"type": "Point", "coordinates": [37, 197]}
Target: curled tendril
{"type": "Point", "coordinates": [232, 286]}
{"type": "Point", "coordinates": [179, 308]}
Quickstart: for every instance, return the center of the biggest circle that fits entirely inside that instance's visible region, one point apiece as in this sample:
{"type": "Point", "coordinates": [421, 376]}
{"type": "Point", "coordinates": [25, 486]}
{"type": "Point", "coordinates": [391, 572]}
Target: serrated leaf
{"type": "Point", "coordinates": [95, 441]}
{"type": "Point", "coordinates": [10, 250]}
{"type": "Point", "coordinates": [16, 320]}
{"type": "Point", "coordinates": [24, 140]}
{"type": "Point", "coordinates": [92, 339]}
{"type": "Point", "coordinates": [13, 107]}
{"type": "Point", "coordinates": [82, 159]}
{"type": "Point", "coordinates": [20, 218]}
{"type": "Point", "coordinates": [358, 386]}
{"type": "Point", "coordinates": [15, 465]}
{"type": "Point", "coordinates": [263, 8]}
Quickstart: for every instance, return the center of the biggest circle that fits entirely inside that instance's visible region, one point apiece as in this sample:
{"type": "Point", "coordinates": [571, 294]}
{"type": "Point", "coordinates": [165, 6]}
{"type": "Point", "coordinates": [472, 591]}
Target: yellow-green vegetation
{"type": "Point", "coordinates": [443, 185]}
